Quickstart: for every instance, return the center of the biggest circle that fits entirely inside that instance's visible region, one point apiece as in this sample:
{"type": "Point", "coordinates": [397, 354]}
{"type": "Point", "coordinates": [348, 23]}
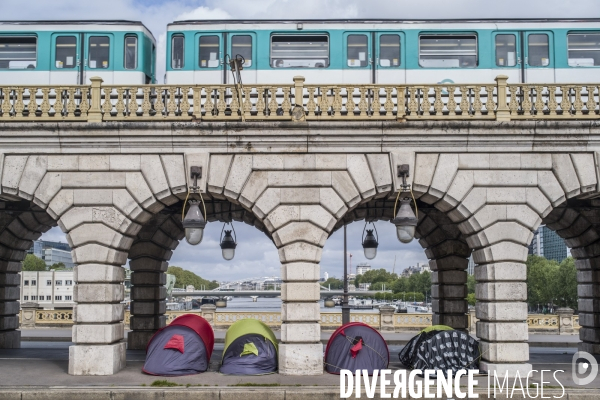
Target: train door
{"type": "Point", "coordinates": [508, 56]}
{"type": "Point", "coordinates": [243, 44]}
{"type": "Point", "coordinates": [99, 57]}
{"type": "Point", "coordinates": [539, 56]}
{"type": "Point", "coordinates": [389, 66]}
{"type": "Point", "coordinates": [209, 61]}
{"type": "Point", "coordinates": [66, 57]}
{"type": "Point", "coordinates": [357, 58]}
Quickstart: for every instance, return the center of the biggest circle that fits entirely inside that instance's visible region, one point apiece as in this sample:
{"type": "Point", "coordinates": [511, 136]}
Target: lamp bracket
{"type": "Point", "coordinates": [404, 172]}
{"type": "Point", "coordinates": [195, 173]}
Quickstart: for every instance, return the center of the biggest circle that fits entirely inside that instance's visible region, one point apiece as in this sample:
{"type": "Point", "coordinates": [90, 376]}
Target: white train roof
{"type": "Point", "coordinates": [115, 25]}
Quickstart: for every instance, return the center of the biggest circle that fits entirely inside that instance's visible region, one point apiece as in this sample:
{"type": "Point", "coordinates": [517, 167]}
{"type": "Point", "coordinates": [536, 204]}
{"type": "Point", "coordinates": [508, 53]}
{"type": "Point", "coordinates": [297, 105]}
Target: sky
{"type": "Point", "coordinates": [256, 254]}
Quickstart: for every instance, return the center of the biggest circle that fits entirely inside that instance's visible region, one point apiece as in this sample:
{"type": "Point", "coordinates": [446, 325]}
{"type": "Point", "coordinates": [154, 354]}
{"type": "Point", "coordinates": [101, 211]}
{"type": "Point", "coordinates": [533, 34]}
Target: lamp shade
{"type": "Point", "coordinates": [228, 246]}
{"type": "Point", "coordinates": [370, 245]}
{"type": "Point", "coordinates": [405, 221]}
{"type": "Point", "coordinates": [194, 224]}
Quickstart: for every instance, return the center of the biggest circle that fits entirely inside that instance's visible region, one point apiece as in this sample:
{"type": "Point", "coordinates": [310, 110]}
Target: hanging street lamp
{"type": "Point", "coordinates": [194, 221]}
{"type": "Point", "coordinates": [405, 220]}
{"type": "Point", "coordinates": [228, 242]}
{"type": "Point", "coordinates": [370, 242]}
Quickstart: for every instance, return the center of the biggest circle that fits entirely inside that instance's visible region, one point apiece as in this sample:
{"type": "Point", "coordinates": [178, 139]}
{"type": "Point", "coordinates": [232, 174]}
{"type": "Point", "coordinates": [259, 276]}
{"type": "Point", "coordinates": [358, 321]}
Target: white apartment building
{"type": "Point", "coordinates": [50, 289]}
{"type": "Point", "coordinates": [362, 268]}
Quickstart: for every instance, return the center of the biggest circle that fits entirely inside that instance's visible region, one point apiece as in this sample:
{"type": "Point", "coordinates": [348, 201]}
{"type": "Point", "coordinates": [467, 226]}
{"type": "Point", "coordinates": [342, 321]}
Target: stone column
{"type": "Point", "coordinates": [16, 235]}
{"type": "Point", "coordinates": [98, 328]}
{"type": "Point", "coordinates": [300, 351]}
{"type": "Point", "coordinates": [208, 312]}
{"type": "Point", "coordinates": [10, 337]}
{"type": "Point", "coordinates": [588, 290]}
{"type": "Point", "coordinates": [501, 294]}
{"type": "Point", "coordinates": [149, 253]}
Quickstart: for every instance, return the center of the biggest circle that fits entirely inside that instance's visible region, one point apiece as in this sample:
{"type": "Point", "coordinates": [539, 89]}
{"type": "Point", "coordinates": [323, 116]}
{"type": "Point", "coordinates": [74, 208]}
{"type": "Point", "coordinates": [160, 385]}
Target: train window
{"type": "Point", "coordinates": [448, 51]}
{"type": "Point", "coordinates": [99, 52]}
{"type": "Point", "coordinates": [584, 49]}
{"type": "Point", "coordinates": [299, 51]}
{"type": "Point", "coordinates": [357, 51]}
{"type": "Point", "coordinates": [242, 45]}
{"type": "Point", "coordinates": [18, 52]}
{"type": "Point", "coordinates": [130, 52]}
{"type": "Point", "coordinates": [538, 50]}
{"type": "Point", "coordinates": [209, 52]}
{"type": "Point", "coordinates": [506, 50]}
{"type": "Point", "coordinates": [177, 44]}
{"type": "Point", "coordinates": [389, 50]}
{"type": "Point", "coordinates": [66, 52]}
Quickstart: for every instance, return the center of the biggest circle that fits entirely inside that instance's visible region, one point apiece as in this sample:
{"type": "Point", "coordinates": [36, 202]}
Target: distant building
{"type": "Point", "coordinates": [362, 268]}
{"type": "Point", "coordinates": [546, 243]}
{"type": "Point", "coordinates": [50, 289]}
{"type": "Point", "coordinates": [325, 276]}
{"type": "Point", "coordinates": [418, 268]}
{"type": "Point", "coordinates": [52, 253]}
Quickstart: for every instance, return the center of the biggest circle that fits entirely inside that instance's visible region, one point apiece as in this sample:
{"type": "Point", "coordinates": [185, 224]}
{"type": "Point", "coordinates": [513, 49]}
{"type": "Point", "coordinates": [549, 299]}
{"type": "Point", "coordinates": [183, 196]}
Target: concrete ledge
{"type": "Point", "coordinates": [215, 393]}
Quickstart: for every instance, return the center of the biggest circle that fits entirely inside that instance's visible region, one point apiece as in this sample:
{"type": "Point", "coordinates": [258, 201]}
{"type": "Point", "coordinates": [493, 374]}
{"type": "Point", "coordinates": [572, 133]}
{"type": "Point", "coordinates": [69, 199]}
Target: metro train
{"type": "Point", "coordinates": [71, 52]}
{"type": "Point", "coordinates": [386, 51]}
{"type": "Point", "coordinates": [323, 51]}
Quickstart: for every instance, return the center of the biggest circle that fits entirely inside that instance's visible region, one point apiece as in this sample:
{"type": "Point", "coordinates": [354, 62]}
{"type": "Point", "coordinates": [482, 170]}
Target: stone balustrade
{"type": "Point", "coordinates": [299, 101]}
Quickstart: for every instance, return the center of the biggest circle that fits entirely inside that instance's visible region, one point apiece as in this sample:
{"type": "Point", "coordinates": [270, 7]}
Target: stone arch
{"type": "Point", "coordinates": [444, 245]}
{"type": "Point", "coordinates": [498, 200]}
{"type": "Point", "coordinates": [101, 203]}
{"type": "Point", "coordinates": [150, 252]}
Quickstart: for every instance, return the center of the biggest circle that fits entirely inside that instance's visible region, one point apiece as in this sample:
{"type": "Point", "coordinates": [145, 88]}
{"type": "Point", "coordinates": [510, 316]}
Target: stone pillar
{"type": "Point", "coordinates": [386, 318]}
{"type": "Point", "coordinates": [501, 293]}
{"type": "Point", "coordinates": [588, 290]}
{"type": "Point", "coordinates": [472, 321]}
{"type": "Point", "coordinates": [17, 230]}
{"type": "Point", "coordinates": [10, 337]}
{"type": "Point", "coordinates": [208, 312]}
{"type": "Point", "coordinates": [565, 320]}
{"type": "Point", "coordinates": [300, 351]}
{"type": "Point", "coordinates": [149, 254]}
{"type": "Point", "coordinates": [28, 314]}
{"type": "Point", "coordinates": [98, 328]}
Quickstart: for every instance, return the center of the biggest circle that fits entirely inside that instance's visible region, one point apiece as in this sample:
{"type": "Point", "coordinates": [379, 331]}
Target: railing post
{"type": "Point", "coordinates": [386, 318]}
{"type": "Point", "coordinates": [565, 321]}
{"type": "Point", "coordinates": [28, 311]}
{"type": "Point", "coordinates": [95, 111]}
{"type": "Point", "coordinates": [208, 312]}
{"type": "Point", "coordinates": [502, 111]}
{"type": "Point", "coordinates": [298, 113]}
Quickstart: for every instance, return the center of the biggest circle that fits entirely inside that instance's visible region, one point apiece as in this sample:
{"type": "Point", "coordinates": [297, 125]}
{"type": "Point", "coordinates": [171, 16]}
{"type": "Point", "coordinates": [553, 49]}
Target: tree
{"type": "Point", "coordinates": [471, 299]}
{"type": "Point", "coordinates": [184, 278]}
{"type": "Point", "coordinates": [471, 284]}
{"type": "Point", "coordinates": [333, 283]}
{"type": "Point", "coordinates": [374, 276]}
{"type": "Point", "coordinates": [58, 266]}
{"type": "Point", "coordinates": [33, 263]}
{"type": "Point", "coordinates": [566, 284]}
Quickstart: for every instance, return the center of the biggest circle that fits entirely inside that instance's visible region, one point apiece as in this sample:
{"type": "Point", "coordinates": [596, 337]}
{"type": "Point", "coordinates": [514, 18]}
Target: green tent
{"type": "Point", "coordinates": [250, 349]}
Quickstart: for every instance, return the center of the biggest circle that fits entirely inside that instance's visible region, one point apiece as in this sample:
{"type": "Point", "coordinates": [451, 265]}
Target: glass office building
{"type": "Point", "coordinates": [546, 243]}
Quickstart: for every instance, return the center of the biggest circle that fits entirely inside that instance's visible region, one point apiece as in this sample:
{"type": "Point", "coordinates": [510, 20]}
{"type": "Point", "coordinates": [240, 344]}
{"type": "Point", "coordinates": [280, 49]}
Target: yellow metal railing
{"type": "Point", "coordinates": [298, 101]}
{"type": "Point", "coordinates": [225, 319]}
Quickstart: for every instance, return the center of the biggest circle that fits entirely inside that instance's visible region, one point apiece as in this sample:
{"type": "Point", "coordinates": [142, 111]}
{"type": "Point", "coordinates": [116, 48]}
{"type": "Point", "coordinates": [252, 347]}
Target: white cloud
{"type": "Point", "coordinates": [203, 13]}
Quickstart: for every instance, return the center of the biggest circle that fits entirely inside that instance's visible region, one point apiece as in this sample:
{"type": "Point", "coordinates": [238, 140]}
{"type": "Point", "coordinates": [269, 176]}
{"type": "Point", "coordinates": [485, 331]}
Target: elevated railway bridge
{"type": "Point", "coordinates": [488, 164]}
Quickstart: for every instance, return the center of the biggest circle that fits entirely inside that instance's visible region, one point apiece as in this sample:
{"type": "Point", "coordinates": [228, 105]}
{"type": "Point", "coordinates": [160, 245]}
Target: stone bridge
{"type": "Point", "coordinates": [116, 188]}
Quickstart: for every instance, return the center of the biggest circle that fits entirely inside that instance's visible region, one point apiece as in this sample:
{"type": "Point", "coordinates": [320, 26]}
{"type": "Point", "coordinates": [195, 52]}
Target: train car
{"type": "Point", "coordinates": [385, 51]}
{"type": "Point", "coordinates": [71, 52]}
